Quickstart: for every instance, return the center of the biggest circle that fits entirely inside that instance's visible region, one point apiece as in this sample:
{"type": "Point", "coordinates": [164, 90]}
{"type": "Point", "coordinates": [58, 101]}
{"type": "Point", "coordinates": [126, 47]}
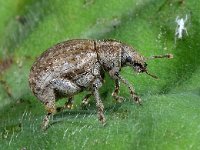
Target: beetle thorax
{"type": "Point", "coordinates": [109, 54]}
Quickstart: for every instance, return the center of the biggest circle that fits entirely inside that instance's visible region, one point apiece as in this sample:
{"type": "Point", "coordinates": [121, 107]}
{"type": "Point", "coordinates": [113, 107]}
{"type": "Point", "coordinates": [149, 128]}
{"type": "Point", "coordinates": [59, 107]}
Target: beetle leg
{"type": "Point", "coordinates": [85, 100]}
{"type": "Point", "coordinates": [51, 109]}
{"type": "Point", "coordinates": [67, 87]}
{"type": "Point", "coordinates": [99, 104]}
{"type": "Point", "coordinates": [115, 74]}
{"type": "Point", "coordinates": [64, 86]}
{"type": "Point", "coordinates": [116, 92]}
{"type": "Point", "coordinates": [68, 105]}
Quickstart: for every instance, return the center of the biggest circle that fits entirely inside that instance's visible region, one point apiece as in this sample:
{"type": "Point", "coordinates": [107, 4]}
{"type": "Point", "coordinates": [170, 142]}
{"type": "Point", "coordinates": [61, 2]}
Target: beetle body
{"type": "Point", "coordinates": [76, 65]}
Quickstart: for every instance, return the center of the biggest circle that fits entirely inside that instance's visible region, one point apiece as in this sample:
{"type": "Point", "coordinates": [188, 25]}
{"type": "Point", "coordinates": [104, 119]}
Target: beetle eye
{"type": "Point", "coordinates": [129, 59]}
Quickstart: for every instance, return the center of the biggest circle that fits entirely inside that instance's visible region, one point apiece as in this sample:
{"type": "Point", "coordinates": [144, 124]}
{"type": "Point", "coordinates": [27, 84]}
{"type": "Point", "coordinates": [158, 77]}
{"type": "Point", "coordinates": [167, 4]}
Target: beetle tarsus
{"type": "Point", "coordinates": [45, 122]}
{"type": "Point", "coordinates": [50, 107]}
{"type": "Point", "coordinates": [138, 100]}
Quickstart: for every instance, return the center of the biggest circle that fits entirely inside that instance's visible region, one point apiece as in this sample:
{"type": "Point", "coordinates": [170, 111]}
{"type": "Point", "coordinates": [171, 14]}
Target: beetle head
{"type": "Point", "coordinates": [138, 64]}
{"type": "Point", "coordinates": [131, 58]}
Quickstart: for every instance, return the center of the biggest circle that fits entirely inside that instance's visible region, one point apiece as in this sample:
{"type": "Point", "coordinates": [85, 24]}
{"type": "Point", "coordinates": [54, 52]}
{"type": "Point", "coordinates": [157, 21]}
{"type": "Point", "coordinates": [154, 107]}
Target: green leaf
{"type": "Point", "coordinates": [169, 116]}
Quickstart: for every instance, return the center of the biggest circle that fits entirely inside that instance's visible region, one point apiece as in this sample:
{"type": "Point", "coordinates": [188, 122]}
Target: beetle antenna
{"type": "Point", "coordinates": [154, 76]}
{"type": "Point", "coordinates": [161, 56]}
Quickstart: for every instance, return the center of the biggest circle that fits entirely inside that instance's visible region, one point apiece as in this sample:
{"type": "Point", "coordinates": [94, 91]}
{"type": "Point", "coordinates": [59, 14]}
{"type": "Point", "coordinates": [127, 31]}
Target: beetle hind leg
{"type": "Point", "coordinates": [51, 109]}
{"type": "Point", "coordinates": [99, 104]}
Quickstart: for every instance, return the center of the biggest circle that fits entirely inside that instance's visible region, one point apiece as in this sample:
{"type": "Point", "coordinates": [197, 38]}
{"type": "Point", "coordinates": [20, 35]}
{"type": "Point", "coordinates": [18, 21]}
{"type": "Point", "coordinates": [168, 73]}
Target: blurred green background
{"type": "Point", "coordinates": [169, 117]}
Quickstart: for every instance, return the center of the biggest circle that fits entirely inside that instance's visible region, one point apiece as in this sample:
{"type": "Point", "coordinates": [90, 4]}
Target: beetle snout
{"type": "Point", "coordinates": [144, 69]}
{"type": "Point", "coordinates": [140, 68]}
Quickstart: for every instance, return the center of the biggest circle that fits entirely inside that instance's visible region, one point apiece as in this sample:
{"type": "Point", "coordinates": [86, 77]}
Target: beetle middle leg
{"type": "Point", "coordinates": [64, 87]}
{"type": "Point", "coordinates": [100, 108]}
{"type": "Point", "coordinates": [68, 105]}
{"type": "Point", "coordinates": [85, 100]}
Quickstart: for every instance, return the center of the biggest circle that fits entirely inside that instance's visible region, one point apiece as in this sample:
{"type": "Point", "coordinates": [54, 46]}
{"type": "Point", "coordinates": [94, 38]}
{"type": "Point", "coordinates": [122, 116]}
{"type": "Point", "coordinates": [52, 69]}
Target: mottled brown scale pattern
{"type": "Point", "coordinates": [53, 60]}
{"type": "Point", "coordinates": [73, 66]}
{"type": "Point", "coordinates": [109, 54]}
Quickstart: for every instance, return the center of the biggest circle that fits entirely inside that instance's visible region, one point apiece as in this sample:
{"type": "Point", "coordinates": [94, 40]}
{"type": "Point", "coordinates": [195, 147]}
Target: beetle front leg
{"type": "Point", "coordinates": [115, 74]}
{"type": "Point", "coordinates": [99, 104]}
{"type": "Point", "coordinates": [115, 93]}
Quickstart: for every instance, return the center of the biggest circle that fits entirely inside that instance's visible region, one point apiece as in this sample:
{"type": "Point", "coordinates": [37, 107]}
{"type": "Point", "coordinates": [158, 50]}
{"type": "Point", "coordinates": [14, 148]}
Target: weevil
{"type": "Point", "coordinates": [70, 67]}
